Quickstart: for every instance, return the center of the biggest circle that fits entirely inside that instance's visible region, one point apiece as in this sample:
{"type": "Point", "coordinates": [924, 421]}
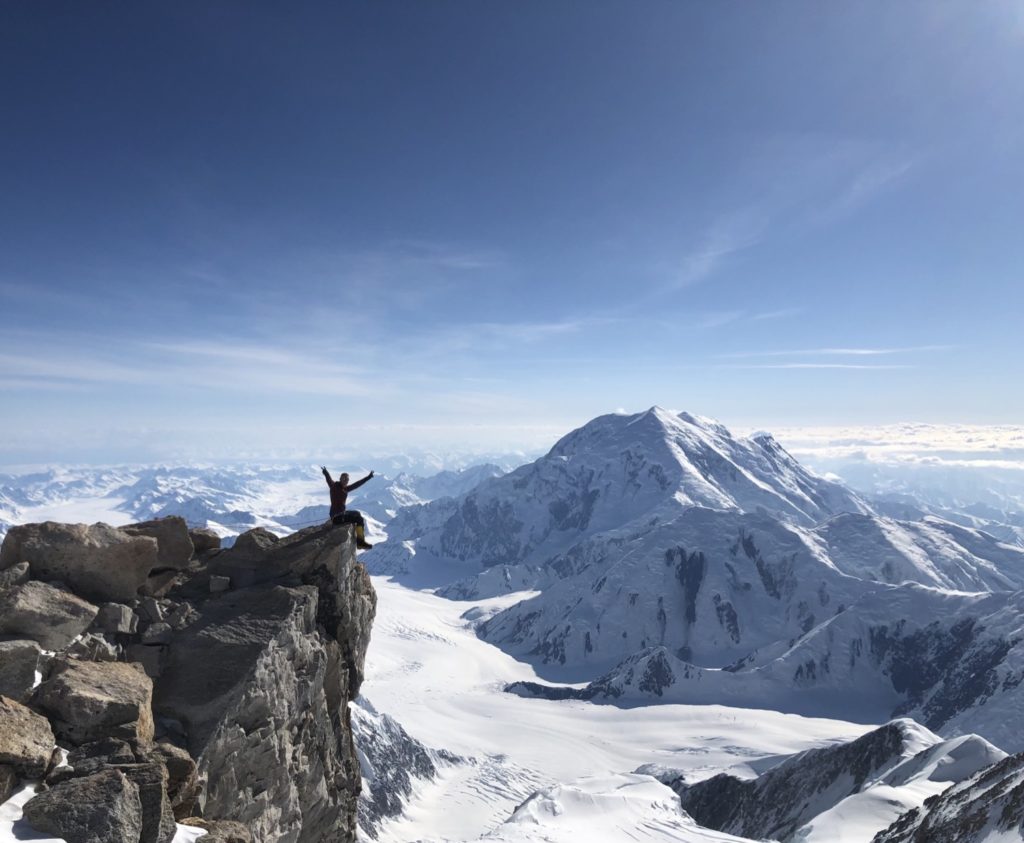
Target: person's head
{"type": "Point", "coordinates": [343, 478]}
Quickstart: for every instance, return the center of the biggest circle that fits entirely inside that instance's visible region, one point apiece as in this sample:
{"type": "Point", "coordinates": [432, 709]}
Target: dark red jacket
{"type": "Point", "coordinates": [339, 492]}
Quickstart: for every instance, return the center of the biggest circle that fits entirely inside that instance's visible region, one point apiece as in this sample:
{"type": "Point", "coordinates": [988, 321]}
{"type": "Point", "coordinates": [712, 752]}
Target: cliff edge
{"type": "Point", "coordinates": [149, 677]}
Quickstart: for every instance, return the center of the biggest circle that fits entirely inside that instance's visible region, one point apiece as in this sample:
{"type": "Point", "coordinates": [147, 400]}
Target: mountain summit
{"type": "Point", "coordinates": [612, 472]}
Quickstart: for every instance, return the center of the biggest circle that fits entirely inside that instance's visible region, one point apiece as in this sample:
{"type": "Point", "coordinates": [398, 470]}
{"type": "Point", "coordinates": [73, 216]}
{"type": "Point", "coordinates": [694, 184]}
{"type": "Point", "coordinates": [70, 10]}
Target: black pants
{"type": "Point", "coordinates": [348, 516]}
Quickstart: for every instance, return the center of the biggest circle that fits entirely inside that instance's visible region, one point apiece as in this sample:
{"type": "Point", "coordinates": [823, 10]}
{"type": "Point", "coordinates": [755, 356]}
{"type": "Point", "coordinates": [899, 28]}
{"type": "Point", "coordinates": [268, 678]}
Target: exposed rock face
{"type": "Point", "coordinates": [103, 808]}
{"type": "Point", "coordinates": [391, 761]}
{"type": "Point", "coordinates": [45, 614]}
{"type": "Point", "coordinates": [988, 806]}
{"type": "Point", "coordinates": [281, 658]}
{"type": "Point", "coordinates": [26, 740]}
{"type": "Point", "coordinates": [98, 562]}
{"type": "Point", "coordinates": [174, 541]}
{"type": "Point", "coordinates": [875, 778]}
{"type": "Point", "coordinates": [87, 701]}
{"type": "Point", "coordinates": [221, 831]}
{"type": "Point", "coordinates": [204, 539]}
{"type": "Point", "coordinates": [18, 663]}
{"type": "Point", "coordinates": [15, 575]}
{"type": "Point", "coordinates": [232, 705]}
{"type": "Point", "coordinates": [157, 817]}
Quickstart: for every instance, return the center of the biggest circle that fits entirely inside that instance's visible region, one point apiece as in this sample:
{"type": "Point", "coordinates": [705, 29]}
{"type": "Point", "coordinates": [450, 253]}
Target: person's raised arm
{"type": "Point", "coordinates": [359, 483]}
{"type": "Point", "coordinates": [327, 475]}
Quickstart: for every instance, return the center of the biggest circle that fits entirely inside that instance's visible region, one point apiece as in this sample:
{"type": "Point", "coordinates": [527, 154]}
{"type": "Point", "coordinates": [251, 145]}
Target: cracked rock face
{"type": "Point", "coordinates": [103, 808]}
{"type": "Point", "coordinates": [87, 701]}
{"type": "Point", "coordinates": [26, 740]}
{"type": "Point", "coordinates": [97, 562]}
{"type": "Point", "coordinates": [280, 660]}
{"type": "Point", "coordinates": [45, 614]}
{"type": "Point", "coordinates": [177, 700]}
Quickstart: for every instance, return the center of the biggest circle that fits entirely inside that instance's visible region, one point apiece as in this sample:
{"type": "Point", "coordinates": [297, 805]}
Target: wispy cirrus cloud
{"type": "Point", "coordinates": [791, 184]}
{"type": "Point", "coordinates": [863, 351]}
{"type": "Point", "coordinates": [819, 366]}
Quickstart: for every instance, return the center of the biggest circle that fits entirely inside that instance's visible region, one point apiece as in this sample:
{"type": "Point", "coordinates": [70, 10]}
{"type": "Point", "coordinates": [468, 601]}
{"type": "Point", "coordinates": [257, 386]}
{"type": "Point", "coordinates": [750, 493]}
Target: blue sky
{"type": "Point", "coordinates": [248, 227]}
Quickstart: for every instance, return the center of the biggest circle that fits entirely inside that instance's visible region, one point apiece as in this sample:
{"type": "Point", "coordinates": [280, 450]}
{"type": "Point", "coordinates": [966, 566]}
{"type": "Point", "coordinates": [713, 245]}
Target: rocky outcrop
{"type": "Point", "coordinates": [45, 614]}
{"type": "Point", "coordinates": [87, 701]}
{"type": "Point", "coordinates": [18, 663]}
{"type": "Point", "coordinates": [210, 686]}
{"type": "Point", "coordinates": [988, 806]}
{"type": "Point", "coordinates": [26, 740]}
{"type": "Point", "coordinates": [103, 808]}
{"type": "Point", "coordinates": [98, 562]}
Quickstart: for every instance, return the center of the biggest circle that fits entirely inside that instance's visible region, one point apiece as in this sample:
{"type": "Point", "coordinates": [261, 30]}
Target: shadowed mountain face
{"type": "Point", "coordinates": [861, 785]}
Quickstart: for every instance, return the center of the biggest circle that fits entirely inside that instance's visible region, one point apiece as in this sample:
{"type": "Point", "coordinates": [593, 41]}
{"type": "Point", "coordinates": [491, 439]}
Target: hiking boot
{"type": "Point", "coordinates": [363, 545]}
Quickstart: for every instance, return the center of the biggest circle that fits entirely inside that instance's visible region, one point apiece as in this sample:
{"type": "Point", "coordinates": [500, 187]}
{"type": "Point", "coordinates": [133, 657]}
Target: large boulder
{"type": "Point", "coordinates": [45, 614]}
{"type": "Point", "coordinates": [182, 778]}
{"type": "Point", "coordinates": [26, 740]}
{"type": "Point", "coordinates": [174, 541]}
{"type": "Point", "coordinates": [19, 661]}
{"type": "Point", "coordinates": [87, 701]}
{"type": "Point", "coordinates": [99, 562]}
{"type": "Point", "coordinates": [102, 808]}
{"type": "Point", "coordinates": [204, 539]}
{"type": "Point", "coordinates": [157, 818]}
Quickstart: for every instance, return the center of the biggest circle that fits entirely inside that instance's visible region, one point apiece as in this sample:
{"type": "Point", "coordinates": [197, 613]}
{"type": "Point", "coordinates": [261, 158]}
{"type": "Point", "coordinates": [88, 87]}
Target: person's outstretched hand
{"type": "Point", "coordinates": [370, 475]}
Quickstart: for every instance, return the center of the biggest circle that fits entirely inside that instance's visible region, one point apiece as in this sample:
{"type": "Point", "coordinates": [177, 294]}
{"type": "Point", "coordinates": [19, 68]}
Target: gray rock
{"type": "Point", "coordinates": [93, 757]}
{"type": "Point", "coordinates": [219, 584]}
{"type": "Point", "coordinates": [93, 647]}
{"type": "Point", "coordinates": [8, 781]}
{"type": "Point", "coordinates": [19, 661]}
{"type": "Point", "coordinates": [157, 633]}
{"type": "Point", "coordinates": [102, 808]}
{"type": "Point", "coordinates": [261, 681]}
{"type": "Point", "coordinates": [182, 616]}
{"type": "Point", "coordinates": [118, 619]}
{"type": "Point", "coordinates": [15, 575]}
{"type": "Point", "coordinates": [98, 562]}
{"type": "Point", "coordinates": [173, 539]}
{"type": "Point", "coordinates": [182, 777]}
{"type": "Point", "coordinates": [151, 610]}
{"type": "Point", "coordinates": [150, 657]}
{"type": "Point", "coordinates": [157, 818]}
{"type": "Point", "coordinates": [204, 539]}
{"type": "Point", "coordinates": [87, 701]}
{"type": "Point", "coordinates": [26, 740]}
{"type": "Point", "coordinates": [43, 613]}
{"type": "Point", "coordinates": [220, 831]}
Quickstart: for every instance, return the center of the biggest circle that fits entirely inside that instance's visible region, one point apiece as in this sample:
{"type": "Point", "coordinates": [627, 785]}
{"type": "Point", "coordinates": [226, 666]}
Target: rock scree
{"type": "Point", "coordinates": [183, 682]}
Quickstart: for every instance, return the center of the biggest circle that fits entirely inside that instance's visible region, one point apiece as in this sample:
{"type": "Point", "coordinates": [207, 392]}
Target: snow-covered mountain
{"type": "Point", "coordinates": [615, 471]}
{"type": "Point", "coordinates": [952, 661]}
{"type": "Point", "coordinates": [712, 587]}
{"type": "Point", "coordinates": [228, 499]}
{"type": "Point", "coordinates": [846, 792]}
{"type": "Point", "coordinates": [986, 808]}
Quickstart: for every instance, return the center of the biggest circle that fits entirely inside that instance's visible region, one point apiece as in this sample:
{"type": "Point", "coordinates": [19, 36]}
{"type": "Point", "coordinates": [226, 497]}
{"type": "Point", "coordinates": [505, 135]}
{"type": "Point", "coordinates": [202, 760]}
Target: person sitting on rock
{"type": "Point", "coordinates": [339, 496]}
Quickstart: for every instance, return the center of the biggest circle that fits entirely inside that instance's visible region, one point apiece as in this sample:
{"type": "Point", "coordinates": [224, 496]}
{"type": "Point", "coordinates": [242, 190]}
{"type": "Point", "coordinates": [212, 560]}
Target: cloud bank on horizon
{"type": "Point", "coordinates": [356, 226]}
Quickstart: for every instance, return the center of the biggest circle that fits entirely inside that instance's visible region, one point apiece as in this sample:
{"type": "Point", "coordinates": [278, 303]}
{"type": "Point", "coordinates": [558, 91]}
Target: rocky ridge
{"type": "Point", "coordinates": [149, 677]}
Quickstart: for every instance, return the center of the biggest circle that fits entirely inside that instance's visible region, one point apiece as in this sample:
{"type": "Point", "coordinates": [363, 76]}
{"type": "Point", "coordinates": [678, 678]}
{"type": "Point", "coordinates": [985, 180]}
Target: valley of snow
{"type": "Point", "coordinates": [428, 670]}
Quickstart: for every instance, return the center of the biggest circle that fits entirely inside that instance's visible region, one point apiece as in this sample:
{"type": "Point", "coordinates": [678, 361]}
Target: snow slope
{"type": "Point", "coordinates": [604, 476]}
{"type": "Point", "coordinates": [427, 669]}
{"type": "Point", "coordinates": [952, 661]}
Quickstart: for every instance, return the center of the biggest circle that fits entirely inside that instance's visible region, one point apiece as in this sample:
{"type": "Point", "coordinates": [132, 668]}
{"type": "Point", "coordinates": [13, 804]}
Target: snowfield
{"type": "Point", "coordinates": [427, 669]}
